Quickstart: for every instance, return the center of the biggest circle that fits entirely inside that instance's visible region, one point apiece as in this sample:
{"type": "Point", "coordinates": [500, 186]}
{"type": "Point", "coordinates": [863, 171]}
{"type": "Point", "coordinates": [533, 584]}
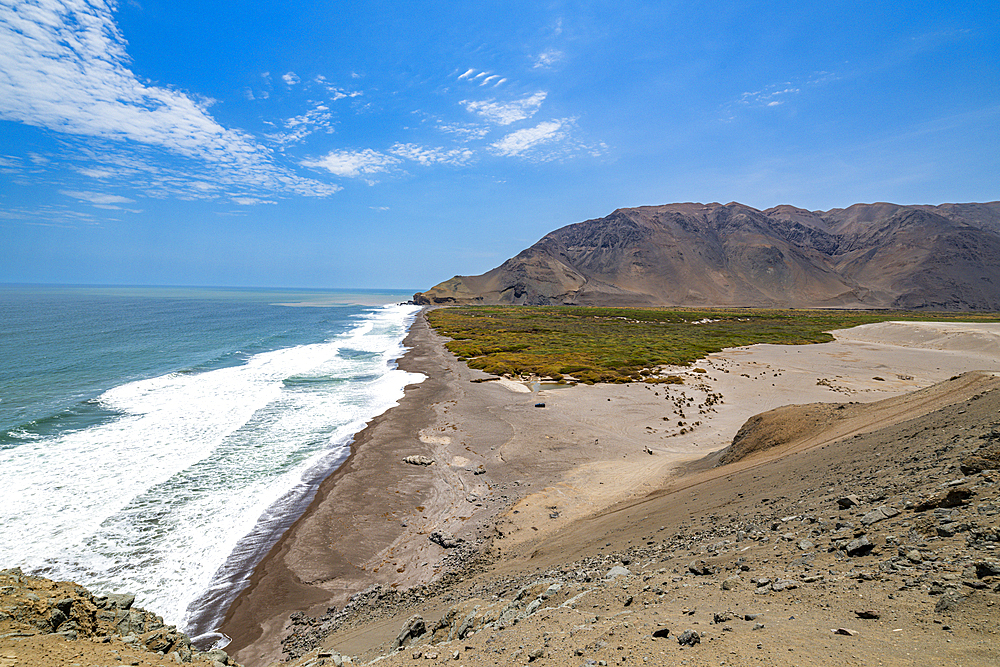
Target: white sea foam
{"type": "Point", "coordinates": [155, 500]}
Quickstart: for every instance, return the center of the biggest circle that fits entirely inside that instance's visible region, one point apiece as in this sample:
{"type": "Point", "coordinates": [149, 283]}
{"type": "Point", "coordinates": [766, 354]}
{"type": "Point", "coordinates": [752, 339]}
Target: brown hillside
{"type": "Point", "coordinates": [868, 255]}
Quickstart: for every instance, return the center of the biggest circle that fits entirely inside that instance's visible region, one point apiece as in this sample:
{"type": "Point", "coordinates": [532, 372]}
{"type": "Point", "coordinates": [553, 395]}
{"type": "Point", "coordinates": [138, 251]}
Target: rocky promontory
{"type": "Point", "coordinates": [45, 622]}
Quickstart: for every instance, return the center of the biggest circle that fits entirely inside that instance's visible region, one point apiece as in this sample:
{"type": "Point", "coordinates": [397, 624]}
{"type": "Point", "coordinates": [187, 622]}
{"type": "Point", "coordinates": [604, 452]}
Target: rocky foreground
{"type": "Point", "coordinates": [45, 622]}
{"type": "Point", "coordinates": [882, 548]}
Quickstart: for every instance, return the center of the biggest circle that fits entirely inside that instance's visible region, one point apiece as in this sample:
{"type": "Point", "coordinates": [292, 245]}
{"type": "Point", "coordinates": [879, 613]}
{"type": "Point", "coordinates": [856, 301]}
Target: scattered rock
{"type": "Point", "coordinates": [445, 539]}
{"type": "Point", "coordinates": [845, 631]}
{"type": "Point", "coordinates": [952, 498]}
{"type": "Point", "coordinates": [418, 460]}
{"type": "Point", "coordinates": [413, 628]}
{"type": "Point", "coordinates": [849, 501]}
{"type": "Point", "coordinates": [878, 514]}
{"type": "Point", "coordinates": [860, 546]}
{"type": "Point", "coordinates": [868, 613]}
{"type": "Point", "coordinates": [689, 638]}
{"type": "Point", "coordinates": [700, 568]}
{"type": "Point", "coordinates": [948, 602]}
{"type": "Point", "coordinates": [984, 569]}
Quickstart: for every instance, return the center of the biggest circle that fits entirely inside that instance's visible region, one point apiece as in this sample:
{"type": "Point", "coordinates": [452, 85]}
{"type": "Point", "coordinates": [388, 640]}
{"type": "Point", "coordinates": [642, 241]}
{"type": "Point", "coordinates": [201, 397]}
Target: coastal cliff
{"type": "Point", "coordinates": [943, 257]}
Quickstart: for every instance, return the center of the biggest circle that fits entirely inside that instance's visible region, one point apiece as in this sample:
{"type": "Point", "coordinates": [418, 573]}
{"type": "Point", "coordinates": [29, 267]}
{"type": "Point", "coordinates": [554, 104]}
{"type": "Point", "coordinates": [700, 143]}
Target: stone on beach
{"type": "Point", "coordinates": [418, 460]}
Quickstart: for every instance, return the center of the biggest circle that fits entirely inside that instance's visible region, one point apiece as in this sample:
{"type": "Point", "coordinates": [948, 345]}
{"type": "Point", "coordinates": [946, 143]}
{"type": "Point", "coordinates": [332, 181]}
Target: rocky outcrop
{"type": "Point", "coordinates": [943, 257]}
{"type": "Point", "coordinates": [32, 606]}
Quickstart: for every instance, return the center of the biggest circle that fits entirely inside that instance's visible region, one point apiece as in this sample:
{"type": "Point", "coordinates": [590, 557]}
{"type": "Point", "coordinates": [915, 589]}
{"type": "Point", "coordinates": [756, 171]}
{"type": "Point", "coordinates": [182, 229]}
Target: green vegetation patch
{"type": "Point", "coordinates": [618, 344]}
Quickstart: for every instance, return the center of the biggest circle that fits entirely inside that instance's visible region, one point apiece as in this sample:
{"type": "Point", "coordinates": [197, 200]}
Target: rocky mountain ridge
{"type": "Point", "coordinates": [881, 255]}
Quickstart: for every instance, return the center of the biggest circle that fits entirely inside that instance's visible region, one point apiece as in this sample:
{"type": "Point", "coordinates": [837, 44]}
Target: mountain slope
{"type": "Point", "coordinates": [868, 255]}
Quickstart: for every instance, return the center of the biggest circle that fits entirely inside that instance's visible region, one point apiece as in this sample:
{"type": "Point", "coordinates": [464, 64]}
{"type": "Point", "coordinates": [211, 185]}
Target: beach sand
{"type": "Point", "coordinates": [504, 467]}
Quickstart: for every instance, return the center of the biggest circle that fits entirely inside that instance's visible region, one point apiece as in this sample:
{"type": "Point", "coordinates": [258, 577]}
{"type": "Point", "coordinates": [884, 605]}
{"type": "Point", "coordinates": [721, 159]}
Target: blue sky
{"type": "Point", "coordinates": [393, 145]}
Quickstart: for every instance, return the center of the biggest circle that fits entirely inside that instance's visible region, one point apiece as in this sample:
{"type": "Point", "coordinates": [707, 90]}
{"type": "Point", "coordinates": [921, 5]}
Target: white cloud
{"type": "Point", "coordinates": [64, 67]}
{"type": "Point", "coordinates": [251, 201]}
{"type": "Point", "coordinates": [505, 113]}
{"type": "Point", "coordinates": [465, 131]}
{"type": "Point", "coordinates": [353, 163]}
{"type": "Point", "coordinates": [300, 127]}
{"type": "Point", "coordinates": [426, 156]}
{"type": "Point", "coordinates": [336, 92]}
{"type": "Point", "coordinates": [549, 58]}
{"type": "Point", "coordinates": [97, 198]}
{"type": "Point", "coordinates": [521, 141]}
{"type": "Point", "coordinates": [290, 78]}
{"type": "Point", "coordinates": [482, 78]}
{"type": "Point", "coordinates": [96, 172]}
{"type": "Point", "coordinates": [50, 216]}
{"type": "Point", "coordinates": [10, 165]}
{"type": "Point", "coordinates": [777, 94]}
{"type": "Point", "coordinates": [769, 96]}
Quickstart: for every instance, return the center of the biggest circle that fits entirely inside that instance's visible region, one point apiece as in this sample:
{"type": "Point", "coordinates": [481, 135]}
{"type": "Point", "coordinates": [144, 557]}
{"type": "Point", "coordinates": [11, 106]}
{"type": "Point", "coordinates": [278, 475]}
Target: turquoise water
{"type": "Point", "coordinates": [159, 440]}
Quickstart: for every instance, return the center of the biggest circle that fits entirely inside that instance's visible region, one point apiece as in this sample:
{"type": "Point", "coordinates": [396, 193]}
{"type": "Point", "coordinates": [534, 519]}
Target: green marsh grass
{"type": "Point", "coordinates": [616, 344]}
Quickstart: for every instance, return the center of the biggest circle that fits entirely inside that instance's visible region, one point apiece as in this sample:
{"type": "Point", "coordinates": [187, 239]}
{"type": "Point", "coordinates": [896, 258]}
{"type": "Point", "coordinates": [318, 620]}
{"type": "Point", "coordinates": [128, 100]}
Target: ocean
{"type": "Point", "coordinates": [159, 440]}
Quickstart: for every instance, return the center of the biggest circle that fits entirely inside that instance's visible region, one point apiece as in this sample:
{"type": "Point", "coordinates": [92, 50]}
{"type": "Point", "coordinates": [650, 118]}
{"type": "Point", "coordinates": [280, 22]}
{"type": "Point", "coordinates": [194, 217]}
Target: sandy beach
{"type": "Point", "coordinates": [511, 472]}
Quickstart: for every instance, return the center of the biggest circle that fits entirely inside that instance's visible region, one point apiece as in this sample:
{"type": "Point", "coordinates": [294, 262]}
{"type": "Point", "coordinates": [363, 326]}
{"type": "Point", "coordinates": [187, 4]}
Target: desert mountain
{"type": "Point", "coordinates": [879, 255]}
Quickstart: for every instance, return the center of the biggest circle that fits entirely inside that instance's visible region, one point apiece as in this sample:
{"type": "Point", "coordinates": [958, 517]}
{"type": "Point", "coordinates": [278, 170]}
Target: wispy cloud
{"type": "Point", "coordinates": [97, 197]}
{"type": "Point", "coordinates": [300, 127]}
{"type": "Point", "coordinates": [97, 173]}
{"type": "Point", "coordinates": [10, 165]}
{"type": "Point", "coordinates": [64, 67]}
{"type": "Point", "coordinates": [464, 131]}
{"type": "Point", "coordinates": [520, 142]}
{"type": "Point", "coordinates": [505, 113]}
{"type": "Point", "coordinates": [353, 163]}
{"type": "Point", "coordinates": [771, 96]}
{"type": "Point", "coordinates": [776, 94]}
{"type": "Point", "coordinates": [482, 78]}
{"type": "Point", "coordinates": [549, 58]}
{"type": "Point", "coordinates": [336, 93]}
{"type": "Point", "coordinates": [427, 156]}
{"type": "Point", "coordinates": [252, 201]}
{"type": "Point", "coordinates": [50, 215]}
{"type": "Point", "coordinates": [290, 78]}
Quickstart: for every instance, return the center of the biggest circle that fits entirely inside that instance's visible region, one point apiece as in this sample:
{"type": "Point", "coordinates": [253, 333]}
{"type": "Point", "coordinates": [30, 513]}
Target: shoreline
{"type": "Point", "coordinates": [274, 583]}
{"type": "Point", "coordinates": [540, 470]}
